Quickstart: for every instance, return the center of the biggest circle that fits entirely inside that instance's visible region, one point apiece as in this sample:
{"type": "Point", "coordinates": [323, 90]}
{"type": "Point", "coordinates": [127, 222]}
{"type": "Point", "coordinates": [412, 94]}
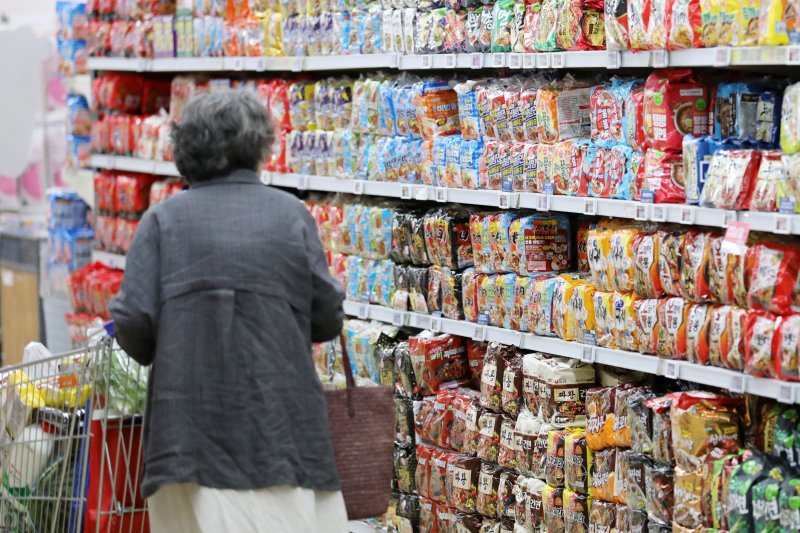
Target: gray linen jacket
{"type": "Point", "coordinates": [225, 288]}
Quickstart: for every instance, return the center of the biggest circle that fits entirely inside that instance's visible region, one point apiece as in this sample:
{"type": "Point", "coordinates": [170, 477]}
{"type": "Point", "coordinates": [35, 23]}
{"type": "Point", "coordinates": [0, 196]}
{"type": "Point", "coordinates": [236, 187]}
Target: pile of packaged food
{"type": "Point", "coordinates": [491, 439]}
{"type": "Point", "coordinates": [92, 287]}
{"type": "Point", "coordinates": [642, 287]}
{"type": "Point", "coordinates": [212, 28]}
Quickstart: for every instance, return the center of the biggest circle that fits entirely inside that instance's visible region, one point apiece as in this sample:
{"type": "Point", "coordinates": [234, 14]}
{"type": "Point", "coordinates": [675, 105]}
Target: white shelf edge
{"type": "Point", "coordinates": [108, 259]}
{"type": "Point", "coordinates": [595, 59]}
{"type": "Point", "coordinates": [704, 375]}
{"type": "Point", "coordinates": [676, 213]}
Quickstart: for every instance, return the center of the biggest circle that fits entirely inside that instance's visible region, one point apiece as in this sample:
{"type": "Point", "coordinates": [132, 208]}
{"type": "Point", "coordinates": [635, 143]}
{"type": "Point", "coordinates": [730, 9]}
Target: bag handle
{"type": "Point", "coordinates": [348, 370]}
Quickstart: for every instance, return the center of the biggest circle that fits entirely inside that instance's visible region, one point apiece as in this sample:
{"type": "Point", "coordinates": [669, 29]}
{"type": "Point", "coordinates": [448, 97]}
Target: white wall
{"type": "Point", "coordinates": [38, 14]}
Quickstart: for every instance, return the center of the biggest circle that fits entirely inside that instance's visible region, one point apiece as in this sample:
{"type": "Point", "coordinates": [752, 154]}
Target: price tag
{"type": "Point", "coordinates": [522, 338]}
{"type": "Point", "coordinates": [476, 60]}
{"type": "Point", "coordinates": [266, 177]}
{"type": "Point", "coordinates": [421, 193]}
{"type": "Point", "coordinates": [358, 187]}
{"type": "Point", "coordinates": [737, 384]}
{"type": "Point", "coordinates": [479, 334]}
{"type": "Point", "coordinates": [793, 55]}
{"type": "Point", "coordinates": [394, 60]}
{"type": "Point", "coordinates": [786, 207]}
{"type": "Point", "coordinates": [515, 61]}
{"type": "Point", "coordinates": [722, 56]}
{"type": "Point", "coordinates": [302, 182]}
{"type": "Point", "coordinates": [590, 207]}
{"type": "Point", "coordinates": [426, 61]}
{"type": "Point", "coordinates": [399, 318]}
{"type": "Point", "coordinates": [648, 197]}
{"type": "Point", "coordinates": [238, 64]}
{"type": "Point", "coordinates": [548, 188]}
{"type": "Point", "coordinates": [543, 202]}
{"type": "Point", "coordinates": [441, 194]}
{"type": "Point", "coordinates": [588, 353]}
{"type": "Point", "coordinates": [542, 60]}
{"type": "Point", "coordinates": [751, 55]}
{"type": "Point", "coordinates": [436, 324]}
{"type": "Point", "coordinates": [363, 311]}
{"type": "Point", "coordinates": [261, 64]}
{"type": "Point", "coordinates": [785, 393]}
{"type": "Point", "coordinates": [783, 224]}
{"type": "Point", "coordinates": [498, 60]}
{"type": "Point", "coordinates": [405, 192]}
{"type": "Point", "coordinates": [529, 61]}
{"type": "Point", "coordinates": [659, 58]}
{"type": "Point", "coordinates": [687, 215]}
{"type": "Point", "coordinates": [422, 321]}
{"type": "Point", "coordinates": [640, 212]}
{"type": "Point", "coordinates": [672, 370]}
{"type": "Point", "coordinates": [557, 60]}
{"type": "Point", "coordinates": [450, 61]}
{"type": "Point", "coordinates": [613, 59]}
{"type": "Point", "coordinates": [658, 213]}
{"type": "Point", "coordinates": [735, 239]}
{"type": "Point", "coordinates": [141, 65]}
{"type": "Point", "coordinates": [297, 64]}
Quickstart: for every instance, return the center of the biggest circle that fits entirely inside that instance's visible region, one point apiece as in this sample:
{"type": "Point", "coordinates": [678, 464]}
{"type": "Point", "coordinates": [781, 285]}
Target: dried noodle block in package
{"type": "Point", "coordinates": [672, 320]}
{"type": "Point", "coordinates": [578, 460]}
{"type": "Point", "coordinates": [702, 422]}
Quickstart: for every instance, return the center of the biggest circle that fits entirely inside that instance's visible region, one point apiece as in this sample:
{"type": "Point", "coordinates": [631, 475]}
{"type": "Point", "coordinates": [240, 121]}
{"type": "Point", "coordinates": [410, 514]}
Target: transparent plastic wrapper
{"type": "Point", "coordinates": [697, 153]}
{"type": "Point", "coordinates": [759, 335]}
{"type": "Point", "coordinates": [773, 269]}
{"type": "Point", "coordinates": [703, 423]}
{"type": "Point", "coordinates": [730, 179]}
{"type": "Point", "coordinates": [578, 460]}
{"type": "Point", "coordinates": [771, 172]}
{"type": "Point", "coordinates": [546, 34]}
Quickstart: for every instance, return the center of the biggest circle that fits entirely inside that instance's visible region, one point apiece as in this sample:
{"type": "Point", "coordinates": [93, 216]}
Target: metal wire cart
{"type": "Point", "coordinates": [70, 442]}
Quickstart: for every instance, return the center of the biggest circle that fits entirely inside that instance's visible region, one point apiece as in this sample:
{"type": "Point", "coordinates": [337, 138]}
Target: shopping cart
{"type": "Point", "coordinates": [71, 429]}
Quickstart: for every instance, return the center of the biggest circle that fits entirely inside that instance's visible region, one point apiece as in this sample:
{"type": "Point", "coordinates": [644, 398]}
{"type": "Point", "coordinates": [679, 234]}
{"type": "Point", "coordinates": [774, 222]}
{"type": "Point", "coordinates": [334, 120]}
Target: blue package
{"type": "Point", "coordinates": [725, 110]}
{"type": "Point", "coordinates": [618, 171]}
{"type": "Point", "coordinates": [386, 113]}
{"type": "Point", "coordinates": [78, 247]}
{"type": "Point", "coordinates": [697, 153]}
{"type": "Point", "coordinates": [468, 115]}
{"type": "Point", "coordinates": [439, 160]}
{"type": "Point", "coordinates": [768, 119]}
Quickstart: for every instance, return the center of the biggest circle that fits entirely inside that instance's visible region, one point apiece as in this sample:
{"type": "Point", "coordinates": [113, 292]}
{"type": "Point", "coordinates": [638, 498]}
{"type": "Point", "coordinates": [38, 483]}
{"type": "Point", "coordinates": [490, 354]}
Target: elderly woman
{"type": "Point", "coordinates": [225, 289]}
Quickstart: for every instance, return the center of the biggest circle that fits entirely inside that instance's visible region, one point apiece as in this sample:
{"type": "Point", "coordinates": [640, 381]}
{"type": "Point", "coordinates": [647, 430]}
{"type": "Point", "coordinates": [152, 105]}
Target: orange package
{"type": "Point", "coordinates": [599, 417]}
{"type": "Point", "coordinates": [670, 248]}
{"type": "Point", "coordinates": [727, 282]}
{"type": "Point", "coordinates": [672, 317]}
{"type": "Point", "coordinates": [438, 113]}
{"type": "Point", "coordinates": [646, 316]}
{"type": "Point", "coordinates": [646, 281]}
{"type": "Point", "coordinates": [694, 268]}
{"type": "Point", "coordinates": [698, 322]}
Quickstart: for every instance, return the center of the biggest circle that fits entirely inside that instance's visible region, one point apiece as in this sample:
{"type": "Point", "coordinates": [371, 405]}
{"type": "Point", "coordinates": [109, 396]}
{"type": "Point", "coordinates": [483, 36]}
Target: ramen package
{"type": "Point", "coordinates": [694, 270]}
{"type": "Point", "coordinates": [541, 306]}
{"type": "Point", "coordinates": [621, 259]}
{"type": "Point", "coordinates": [670, 248]}
{"type": "Point", "coordinates": [771, 172]}
{"type": "Point", "coordinates": [730, 179]}
{"type": "Point", "coordinates": [727, 278]}
{"type": "Point", "coordinates": [555, 468]}
{"type": "Point", "coordinates": [489, 425]}
{"type": "Point", "coordinates": [506, 500]}
{"type": "Point", "coordinates": [675, 104]}
{"type": "Point", "coordinates": [544, 244]}
{"type": "Point", "coordinates": [659, 489]}
{"type": "Point", "coordinates": [625, 330]}
{"type": "Point", "coordinates": [462, 488]}
{"type": "Point", "coordinates": [646, 280]}
{"type": "Point", "coordinates": [740, 486]}
{"type": "Point", "coordinates": [758, 344]}
{"type": "Point", "coordinates": [578, 460]}
{"type": "Point", "coordinates": [580, 25]}
{"type": "Point", "coordinates": [703, 422]}
{"type": "Point", "coordinates": [576, 512]}
{"type": "Point", "coordinates": [633, 119]}
{"type": "Point", "coordinates": [553, 508]}
{"type": "Point", "coordinates": [603, 517]}
{"type": "Point", "coordinates": [697, 328]}
{"type": "Point", "coordinates": [663, 177]}
{"type": "Point", "coordinates": [603, 476]}
{"type": "Point", "coordinates": [647, 325]}
{"type": "Point", "coordinates": [599, 417]}
{"type": "Point", "coordinates": [512, 386]}
{"type": "Point", "coordinates": [507, 454]}
{"type": "Point", "coordinates": [598, 250]}
{"type": "Point", "coordinates": [565, 382]}
{"type": "Point", "coordinates": [604, 319]}
{"type": "Point", "coordinates": [685, 19]}
{"type": "Point", "coordinates": [438, 111]}
{"type": "Point", "coordinates": [773, 271]}
{"type": "Point", "coordinates": [488, 483]}
{"type": "Point", "coordinates": [437, 359]}
{"type": "Point", "coordinates": [787, 348]}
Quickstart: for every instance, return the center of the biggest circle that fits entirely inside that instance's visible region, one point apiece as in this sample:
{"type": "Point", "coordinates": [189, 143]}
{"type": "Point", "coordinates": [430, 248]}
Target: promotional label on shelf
{"type": "Point", "coordinates": [735, 240]}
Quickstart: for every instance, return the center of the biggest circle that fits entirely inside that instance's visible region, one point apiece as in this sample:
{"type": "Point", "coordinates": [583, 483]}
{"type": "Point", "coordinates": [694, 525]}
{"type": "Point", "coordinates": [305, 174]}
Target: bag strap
{"type": "Point", "coordinates": [348, 370]}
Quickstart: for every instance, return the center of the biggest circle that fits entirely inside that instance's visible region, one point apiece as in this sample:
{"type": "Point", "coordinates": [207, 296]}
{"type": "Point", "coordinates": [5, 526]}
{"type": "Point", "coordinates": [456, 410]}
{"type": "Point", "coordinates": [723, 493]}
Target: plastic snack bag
{"type": "Point", "coordinates": [553, 508]}
{"type": "Point", "coordinates": [541, 306]}
{"type": "Point", "coordinates": [604, 319]}
{"type": "Point", "coordinates": [663, 177]}
{"type": "Point", "coordinates": [790, 120]}
{"type": "Point", "coordinates": [694, 269]}
{"type": "Point", "coordinates": [503, 16]}
{"type": "Point", "coordinates": [758, 344]}
{"type": "Point", "coordinates": [625, 326]}
{"type": "Point", "coordinates": [685, 24]}
{"type": "Point", "coordinates": [671, 331]}
{"type": "Point", "coordinates": [616, 24]}
{"type": "Point", "coordinates": [773, 272]}
{"type": "Point", "coordinates": [488, 483]}
{"type": "Point", "coordinates": [646, 280]}
{"type": "Point", "coordinates": [771, 172]}
{"type": "Point", "coordinates": [633, 119]}
{"type": "Point", "coordinates": [603, 477]}
{"type": "Point", "coordinates": [506, 455]}
{"type": "Point", "coordinates": [621, 260]}
{"type": "Point", "coordinates": [704, 423]}
{"type": "Point", "coordinates": [599, 417]}
{"type": "Point", "coordinates": [576, 512]}
{"type": "Point", "coordinates": [697, 153]}
{"type": "Point", "coordinates": [746, 24]}
{"type": "Point", "coordinates": [697, 331]}
{"type": "Point", "coordinates": [787, 348]}
{"type": "Point", "coordinates": [727, 279]}
{"type": "Point", "coordinates": [545, 244]}
{"type": "Point", "coordinates": [598, 249]}
{"type": "Point", "coordinates": [675, 104]}
{"type": "Point", "coordinates": [555, 470]}
{"type": "Point", "coordinates": [710, 19]}
{"type": "Point", "coordinates": [670, 248]}
{"type": "Point", "coordinates": [545, 40]}
{"type": "Point", "coordinates": [647, 325]}
{"type": "Point", "coordinates": [581, 26]}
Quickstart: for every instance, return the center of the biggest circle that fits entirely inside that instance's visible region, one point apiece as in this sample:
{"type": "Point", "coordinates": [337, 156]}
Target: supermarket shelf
{"type": "Point", "coordinates": [759, 56]}
{"type": "Point", "coordinates": [705, 375]}
{"type": "Point", "coordinates": [679, 214]}
{"type": "Point", "coordinates": [108, 259]}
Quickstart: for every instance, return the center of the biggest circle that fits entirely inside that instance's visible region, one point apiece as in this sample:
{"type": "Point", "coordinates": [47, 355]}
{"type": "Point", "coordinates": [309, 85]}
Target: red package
{"type": "Point", "coordinates": [758, 344]}
{"type": "Point", "coordinates": [124, 232]}
{"type": "Point", "coordinates": [606, 113]}
{"type": "Point", "coordinates": [772, 273]}
{"type": "Point", "coordinates": [599, 185]}
{"type": "Point", "coordinates": [155, 96]}
{"type": "Point", "coordinates": [786, 348]}
{"type": "Point", "coordinates": [97, 42]}
{"type": "Point", "coordinates": [423, 472]}
{"type": "Point", "coordinates": [277, 156]}
{"type": "Point", "coordinates": [737, 184]}
{"type": "Point", "coordinates": [673, 314]}
{"type": "Point", "coordinates": [663, 177]}
{"type": "Point", "coordinates": [133, 193]}
{"type": "Point", "coordinates": [576, 182]}
{"type": "Point", "coordinates": [105, 229]}
{"type": "Point", "coordinates": [476, 351]}
{"type": "Point", "coordinates": [581, 26]}
{"type": "Point", "coordinates": [99, 137]}
{"type": "Point", "coordinates": [694, 269]}
{"type": "Point", "coordinates": [437, 360]}
{"type": "Point", "coordinates": [633, 125]}
{"type": "Point", "coordinates": [581, 237]}
{"type": "Point", "coordinates": [105, 192]}
{"type": "Point", "coordinates": [675, 104]}
{"type": "Point", "coordinates": [121, 92]}
{"type": "Point", "coordinates": [771, 172]}
{"type": "Point", "coordinates": [446, 518]}
{"type": "Point", "coordinates": [727, 278]}
{"type": "Point", "coordinates": [684, 24]}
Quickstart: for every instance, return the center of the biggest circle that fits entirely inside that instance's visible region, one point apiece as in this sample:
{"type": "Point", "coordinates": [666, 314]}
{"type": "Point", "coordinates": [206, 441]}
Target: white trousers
{"type": "Point", "coordinates": [188, 508]}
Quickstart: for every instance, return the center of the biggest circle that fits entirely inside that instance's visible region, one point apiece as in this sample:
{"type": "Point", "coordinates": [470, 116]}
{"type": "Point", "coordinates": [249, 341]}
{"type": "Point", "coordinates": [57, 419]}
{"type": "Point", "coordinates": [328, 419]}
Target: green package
{"type": "Point", "coordinates": [503, 24]}
{"type": "Point", "coordinates": [789, 505]}
{"type": "Point", "coordinates": [766, 513]}
{"type": "Point", "coordinates": [740, 504]}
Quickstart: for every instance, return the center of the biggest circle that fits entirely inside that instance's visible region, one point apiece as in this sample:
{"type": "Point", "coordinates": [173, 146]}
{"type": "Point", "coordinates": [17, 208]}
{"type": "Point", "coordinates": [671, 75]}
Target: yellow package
{"type": "Point", "coordinates": [772, 24]}
{"type": "Point", "coordinates": [788, 187]}
{"type": "Point", "coordinates": [604, 320]}
{"type": "Point", "coordinates": [709, 13]}
{"type": "Point", "coordinates": [273, 24]}
{"type": "Point", "coordinates": [580, 320]}
{"type": "Point", "coordinates": [598, 251]}
{"type": "Point", "coordinates": [624, 321]}
{"type": "Point", "coordinates": [621, 263]}
{"type": "Point", "coordinates": [727, 22]}
{"type": "Point", "coordinates": [746, 23]}
{"type": "Point", "coordinates": [563, 289]}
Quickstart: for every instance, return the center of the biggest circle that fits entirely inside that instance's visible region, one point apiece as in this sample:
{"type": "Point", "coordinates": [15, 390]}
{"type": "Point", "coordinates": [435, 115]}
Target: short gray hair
{"type": "Point", "coordinates": [221, 132]}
